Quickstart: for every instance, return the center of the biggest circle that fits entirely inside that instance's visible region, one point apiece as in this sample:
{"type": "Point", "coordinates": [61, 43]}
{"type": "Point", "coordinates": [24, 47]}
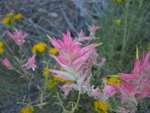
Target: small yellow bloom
{"type": "Point", "coordinates": [61, 69]}
{"type": "Point", "coordinates": [118, 22]}
{"type": "Point", "coordinates": [46, 72]}
{"type": "Point", "coordinates": [39, 47]}
{"type": "Point", "coordinates": [1, 44]}
{"type": "Point", "coordinates": [113, 80]}
{"type": "Point", "coordinates": [148, 48]}
{"type": "Point", "coordinates": [18, 16]}
{"type": "Point", "coordinates": [100, 106]}
{"type": "Point", "coordinates": [6, 20]}
{"type": "Point", "coordinates": [69, 82]}
{"type": "Point", "coordinates": [27, 109]}
{"type": "Point", "coordinates": [53, 51]}
{"type": "Point", "coordinates": [1, 51]}
{"type": "Point", "coordinates": [119, 1]}
{"type": "Point", "coordinates": [51, 84]}
{"type": "Point", "coordinates": [101, 86]}
{"type": "Point", "coordinates": [56, 78]}
{"type": "Point", "coordinates": [1, 47]}
{"type": "Point", "coordinates": [59, 79]}
{"type": "Point", "coordinates": [10, 15]}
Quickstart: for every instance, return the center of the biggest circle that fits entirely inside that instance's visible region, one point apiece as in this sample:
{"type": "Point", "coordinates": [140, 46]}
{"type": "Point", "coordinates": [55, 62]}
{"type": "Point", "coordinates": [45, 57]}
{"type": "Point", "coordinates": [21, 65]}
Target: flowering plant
{"type": "Point", "coordinates": [76, 62]}
{"type": "Point", "coordinates": [134, 87]}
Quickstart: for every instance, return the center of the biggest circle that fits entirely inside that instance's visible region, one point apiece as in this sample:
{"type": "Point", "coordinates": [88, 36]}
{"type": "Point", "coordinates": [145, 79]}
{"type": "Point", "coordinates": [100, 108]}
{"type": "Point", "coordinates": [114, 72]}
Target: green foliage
{"type": "Point", "coordinates": [123, 26]}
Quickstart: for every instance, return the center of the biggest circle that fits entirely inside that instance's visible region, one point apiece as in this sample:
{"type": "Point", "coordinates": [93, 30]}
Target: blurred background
{"type": "Point", "coordinates": [122, 27]}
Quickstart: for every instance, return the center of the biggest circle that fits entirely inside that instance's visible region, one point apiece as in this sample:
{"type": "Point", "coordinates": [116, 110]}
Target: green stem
{"type": "Point", "coordinates": [60, 102]}
{"type": "Point", "coordinates": [76, 105]}
{"type": "Point", "coordinates": [125, 32]}
{"type": "Point", "coordinates": [46, 78]}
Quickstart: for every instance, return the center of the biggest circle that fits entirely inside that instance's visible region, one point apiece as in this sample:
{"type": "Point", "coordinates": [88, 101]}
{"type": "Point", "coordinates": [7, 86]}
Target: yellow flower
{"type": "Point", "coordinates": [1, 44]}
{"type": "Point", "coordinates": [113, 80]}
{"type": "Point", "coordinates": [101, 86]}
{"type": "Point", "coordinates": [51, 84]}
{"type": "Point", "coordinates": [27, 109]}
{"type": "Point", "coordinates": [46, 72]}
{"type": "Point", "coordinates": [6, 20]}
{"type": "Point", "coordinates": [100, 106]}
{"type": "Point", "coordinates": [118, 22]}
{"type": "Point", "coordinates": [56, 78]}
{"type": "Point", "coordinates": [148, 48]}
{"type": "Point", "coordinates": [1, 51]}
{"type": "Point", "coordinates": [39, 47]}
{"type": "Point", "coordinates": [59, 79]}
{"type": "Point", "coordinates": [1, 47]}
{"type": "Point", "coordinates": [61, 69]}
{"type": "Point", "coordinates": [53, 51]}
{"type": "Point", "coordinates": [69, 82]}
{"type": "Point", "coordinates": [119, 1]}
{"type": "Point", "coordinates": [10, 15]}
{"type": "Point", "coordinates": [18, 16]}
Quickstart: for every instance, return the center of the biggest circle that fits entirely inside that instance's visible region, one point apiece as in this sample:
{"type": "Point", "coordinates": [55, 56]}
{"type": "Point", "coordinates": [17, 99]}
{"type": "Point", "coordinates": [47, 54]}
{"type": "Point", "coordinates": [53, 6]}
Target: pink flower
{"type": "Point", "coordinates": [70, 51]}
{"type": "Point", "coordinates": [76, 62]}
{"type": "Point", "coordinates": [6, 63]}
{"type": "Point", "coordinates": [30, 63]}
{"type": "Point", "coordinates": [144, 87]}
{"type": "Point", "coordinates": [136, 85]}
{"type": "Point", "coordinates": [136, 69]}
{"type": "Point", "coordinates": [135, 72]}
{"type": "Point", "coordinates": [72, 57]}
{"type": "Point", "coordinates": [93, 29]}
{"type": "Point", "coordinates": [145, 66]}
{"type": "Point", "coordinates": [82, 38]}
{"type": "Point", "coordinates": [66, 89]}
{"type": "Point", "coordinates": [95, 92]}
{"type": "Point", "coordinates": [18, 37]}
{"type": "Point", "coordinates": [109, 90]}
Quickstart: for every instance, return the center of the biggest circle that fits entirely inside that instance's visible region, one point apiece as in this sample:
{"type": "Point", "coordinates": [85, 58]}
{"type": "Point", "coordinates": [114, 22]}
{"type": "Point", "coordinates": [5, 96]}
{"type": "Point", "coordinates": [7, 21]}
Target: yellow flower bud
{"type": "Point", "coordinates": [46, 72]}
{"type": "Point", "coordinates": [10, 15]}
{"type": "Point", "coordinates": [39, 47]}
{"type": "Point", "coordinates": [6, 20]}
{"type": "Point", "coordinates": [53, 51]}
{"type": "Point", "coordinates": [27, 109]}
{"type": "Point", "coordinates": [56, 78]}
{"type": "Point", "coordinates": [118, 22]}
{"type": "Point", "coordinates": [1, 51]}
{"type": "Point", "coordinates": [18, 16]}
{"type": "Point", "coordinates": [1, 44]}
{"type": "Point", "coordinates": [113, 80]}
{"type": "Point", "coordinates": [100, 106]}
{"type": "Point", "coordinates": [51, 84]}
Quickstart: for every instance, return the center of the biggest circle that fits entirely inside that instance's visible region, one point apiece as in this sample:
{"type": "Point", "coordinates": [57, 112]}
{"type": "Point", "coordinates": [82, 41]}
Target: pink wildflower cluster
{"type": "Point", "coordinates": [7, 63]}
{"type": "Point", "coordinates": [77, 61]}
{"type": "Point", "coordinates": [92, 30]}
{"type": "Point", "coordinates": [18, 37]}
{"type": "Point", "coordinates": [30, 63]}
{"type": "Point", "coordinates": [135, 86]}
